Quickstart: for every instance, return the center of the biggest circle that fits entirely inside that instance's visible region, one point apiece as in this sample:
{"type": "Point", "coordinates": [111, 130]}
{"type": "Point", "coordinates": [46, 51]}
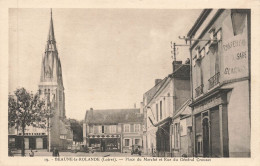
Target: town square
{"type": "Point", "coordinates": [129, 83]}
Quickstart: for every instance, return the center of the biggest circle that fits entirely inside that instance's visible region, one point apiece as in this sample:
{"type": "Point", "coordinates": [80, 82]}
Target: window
{"type": "Point", "coordinates": [127, 142]}
{"type": "Point", "coordinates": [103, 129]}
{"type": "Point", "coordinates": [90, 129]}
{"type": "Point", "coordinates": [160, 110]}
{"type": "Point", "coordinates": [157, 113]}
{"type": "Point", "coordinates": [137, 127]}
{"type": "Point", "coordinates": [119, 128]}
{"type": "Point", "coordinates": [176, 135]}
{"type": "Point", "coordinates": [127, 128]}
{"type": "Point", "coordinates": [137, 141]}
{"type": "Point", "coordinates": [113, 129]}
{"type": "Point", "coordinates": [60, 95]}
{"type": "Point", "coordinates": [99, 129]}
{"type": "Point", "coordinates": [199, 145]}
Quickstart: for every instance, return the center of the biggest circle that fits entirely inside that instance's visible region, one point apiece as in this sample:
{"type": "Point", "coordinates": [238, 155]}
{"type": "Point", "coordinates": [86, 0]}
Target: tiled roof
{"type": "Point", "coordinates": [113, 116]}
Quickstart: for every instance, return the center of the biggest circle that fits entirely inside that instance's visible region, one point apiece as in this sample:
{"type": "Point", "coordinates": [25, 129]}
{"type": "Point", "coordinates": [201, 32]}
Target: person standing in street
{"type": "Point", "coordinates": [55, 152]}
{"type": "Point", "coordinates": [31, 153]}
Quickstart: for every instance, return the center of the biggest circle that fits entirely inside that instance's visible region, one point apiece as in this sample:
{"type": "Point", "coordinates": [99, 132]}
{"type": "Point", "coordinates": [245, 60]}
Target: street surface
{"type": "Point", "coordinates": [41, 153]}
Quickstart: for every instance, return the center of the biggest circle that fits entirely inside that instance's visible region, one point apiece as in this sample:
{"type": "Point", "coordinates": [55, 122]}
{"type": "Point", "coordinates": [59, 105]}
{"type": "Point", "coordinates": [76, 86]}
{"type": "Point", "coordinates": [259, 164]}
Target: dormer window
{"type": "Point", "coordinates": [198, 54]}
{"type": "Point", "coordinates": [219, 35]}
{"type": "Point", "coordinates": [214, 39]}
{"type": "Point", "coordinates": [212, 34]}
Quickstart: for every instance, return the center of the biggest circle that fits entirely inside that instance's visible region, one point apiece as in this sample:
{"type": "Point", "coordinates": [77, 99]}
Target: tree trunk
{"type": "Point", "coordinates": [23, 148]}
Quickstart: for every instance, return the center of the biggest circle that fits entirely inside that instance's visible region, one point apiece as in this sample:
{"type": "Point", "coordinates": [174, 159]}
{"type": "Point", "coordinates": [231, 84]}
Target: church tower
{"type": "Point", "coordinates": [51, 88]}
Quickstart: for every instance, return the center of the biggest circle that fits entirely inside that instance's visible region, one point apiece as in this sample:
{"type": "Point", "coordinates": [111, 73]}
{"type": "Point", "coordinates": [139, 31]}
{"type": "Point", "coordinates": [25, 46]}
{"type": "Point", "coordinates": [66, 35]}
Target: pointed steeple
{"type": "Point", "coordinates": [51, 36]}
{"type": "Point", "coordinates": [51, 43]}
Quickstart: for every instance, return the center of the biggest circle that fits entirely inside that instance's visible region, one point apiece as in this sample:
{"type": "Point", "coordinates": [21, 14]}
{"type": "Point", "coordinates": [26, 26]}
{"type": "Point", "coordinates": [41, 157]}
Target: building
{"type": "Point", "coordinates": [149, 130]}
{"type": "Point", "coordinates": [221, 83]}
{"type": "Point", "coordinates": [34, 138]}
{"type": "Point", "coordinates": [52, 90]}
{"type": "Point", "coordinates": [113, 130]}
{"type": "Point", "coordinates": [182, 131]}
{"type": "Point", "coordinates": [168, 96]}
{"type": "Point", "coordinates": [58, 131]}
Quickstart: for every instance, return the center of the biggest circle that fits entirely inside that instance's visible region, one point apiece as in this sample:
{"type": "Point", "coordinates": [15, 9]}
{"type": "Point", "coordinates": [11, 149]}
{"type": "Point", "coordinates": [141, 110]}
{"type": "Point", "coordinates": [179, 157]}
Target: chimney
{"type": "Point", "coordinates": [91, 113]}
{"type": "Point", "coordinates": [176, 65]}
{"type": "Point", "coordinates": [157, 81]}
{"type": "Point", "coordinates": [141, 107]}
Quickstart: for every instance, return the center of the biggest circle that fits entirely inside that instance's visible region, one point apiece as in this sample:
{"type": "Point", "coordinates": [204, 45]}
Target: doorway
{"type": "Point", "coordinates": [103, 145]}
{"type": "Point", "coordinates": [205, 127]}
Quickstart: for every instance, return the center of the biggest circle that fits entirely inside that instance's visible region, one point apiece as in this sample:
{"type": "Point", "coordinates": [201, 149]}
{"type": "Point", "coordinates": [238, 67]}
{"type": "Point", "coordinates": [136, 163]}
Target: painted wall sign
{"type": "Point", "coordinates": [234, 48]}
{"type": "Point", "coordinates": [212, 102]}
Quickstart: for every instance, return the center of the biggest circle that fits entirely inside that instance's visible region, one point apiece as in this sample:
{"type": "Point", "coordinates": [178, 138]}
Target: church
{"type": "Point", "coordinates": [51, 88]}
{"type": "Point", "coordinates": [58, 132]}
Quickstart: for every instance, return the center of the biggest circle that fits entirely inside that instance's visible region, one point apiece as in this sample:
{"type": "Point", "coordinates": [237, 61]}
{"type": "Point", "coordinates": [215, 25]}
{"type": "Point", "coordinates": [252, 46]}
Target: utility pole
{"type": "Point", "coordinates": [173, 47]}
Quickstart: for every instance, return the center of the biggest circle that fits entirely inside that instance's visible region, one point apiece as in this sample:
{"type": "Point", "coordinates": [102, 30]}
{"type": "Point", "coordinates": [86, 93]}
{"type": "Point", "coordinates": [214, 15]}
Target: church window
{"type": "Point", "coordinates": [60, 96]}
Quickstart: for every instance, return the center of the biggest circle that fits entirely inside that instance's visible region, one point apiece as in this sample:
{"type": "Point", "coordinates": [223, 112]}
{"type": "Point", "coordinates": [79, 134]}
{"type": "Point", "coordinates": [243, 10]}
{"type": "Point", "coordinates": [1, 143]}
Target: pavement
{"type": "Point", "coordinates": [42, 153]}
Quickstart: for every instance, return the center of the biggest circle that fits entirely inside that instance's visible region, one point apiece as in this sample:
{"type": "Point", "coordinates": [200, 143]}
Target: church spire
{"type": "Point", "coordinates": [51, 43]}
{"type": "Point", "coordinates": [51, 36]}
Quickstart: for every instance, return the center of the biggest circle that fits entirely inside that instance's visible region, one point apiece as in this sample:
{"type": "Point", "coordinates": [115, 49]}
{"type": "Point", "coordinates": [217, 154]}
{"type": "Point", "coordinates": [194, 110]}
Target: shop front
{"type": "Point", "coordinates": [211, 125]}
{"type": "Point", "coordinates": [163, 141]}
{"type": "Point", "coordinates": [30, 142]}
{"type": "Point", "coordinates": [105, 143]}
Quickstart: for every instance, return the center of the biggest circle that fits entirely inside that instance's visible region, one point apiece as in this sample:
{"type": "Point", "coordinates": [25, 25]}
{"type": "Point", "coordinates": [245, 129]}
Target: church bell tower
{"type": "Point", "coordinates": [51, 86]}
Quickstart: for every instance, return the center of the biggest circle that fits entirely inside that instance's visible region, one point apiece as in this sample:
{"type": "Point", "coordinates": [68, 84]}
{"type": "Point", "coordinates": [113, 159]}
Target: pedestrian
{"type": "Point", "coordinates": [55, 152]}
{"type": "Point", "coordinates": [31, 153]}
{"type": "Point", "coordinates": [10, 152]}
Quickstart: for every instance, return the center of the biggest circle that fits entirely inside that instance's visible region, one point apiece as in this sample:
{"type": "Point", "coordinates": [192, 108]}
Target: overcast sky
{"type": "Point", "coordinates": [109, 57]}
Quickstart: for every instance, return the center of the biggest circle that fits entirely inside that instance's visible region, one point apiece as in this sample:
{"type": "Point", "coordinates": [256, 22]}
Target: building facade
{"type": "Point", "coordinates": [169, 96]}
{"type": "Point", "coordinates": [221, 83]}
{"type": "Point", "coordinates": [114, 130]}
{"type": "Point", "coordinates": [182, 131]}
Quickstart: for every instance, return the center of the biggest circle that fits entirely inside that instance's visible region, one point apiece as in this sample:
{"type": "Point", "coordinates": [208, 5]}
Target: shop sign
{"type": "Point", "coordinates": [234, 50]}
{"type": "Point", "coordinates": [212, 102]}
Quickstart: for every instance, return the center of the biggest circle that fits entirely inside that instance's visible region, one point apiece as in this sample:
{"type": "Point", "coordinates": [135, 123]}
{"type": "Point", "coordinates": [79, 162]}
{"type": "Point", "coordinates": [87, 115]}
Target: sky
{"type": "Point", "coordinates": [109, 57]}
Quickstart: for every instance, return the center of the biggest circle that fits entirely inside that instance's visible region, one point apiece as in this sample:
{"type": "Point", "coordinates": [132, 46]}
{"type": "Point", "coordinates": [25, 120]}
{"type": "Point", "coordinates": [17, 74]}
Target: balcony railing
{"type": "Point", "coordinates": [199, 90]}
{"type": "Point", "coordinates": [213, 81]}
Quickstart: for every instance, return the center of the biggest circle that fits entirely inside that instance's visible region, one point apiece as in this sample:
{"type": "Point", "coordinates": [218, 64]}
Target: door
{"type": "Point", "coordinates": [39, 143]}
{"type": "Point", "coordinates": [205, 126]}
{"type": "Point", "coordinates": [103, 145]}
{"type": "Point", "coordinates": [26, 143]}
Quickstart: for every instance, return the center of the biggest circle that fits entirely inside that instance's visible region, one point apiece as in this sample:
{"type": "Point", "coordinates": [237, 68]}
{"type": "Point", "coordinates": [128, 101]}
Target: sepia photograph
{"type": "Point", "coordinates": [150, 97]}
{"type": "Point", "coordinates": [125, 85]}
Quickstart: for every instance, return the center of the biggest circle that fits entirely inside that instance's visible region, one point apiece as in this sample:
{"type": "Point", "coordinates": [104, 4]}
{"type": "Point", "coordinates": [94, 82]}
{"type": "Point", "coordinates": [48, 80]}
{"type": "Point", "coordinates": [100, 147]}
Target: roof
{"type": "Point", "coordinates": [184, 109]}
{"type": "Point", "coordinates": [182, 72]}
{"type": "Point", "coordinates": [150, 93]}
{"type": "Point", "coordinates": [203, 15]}
{"type": "Point", "coordinates": [113, 116]}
